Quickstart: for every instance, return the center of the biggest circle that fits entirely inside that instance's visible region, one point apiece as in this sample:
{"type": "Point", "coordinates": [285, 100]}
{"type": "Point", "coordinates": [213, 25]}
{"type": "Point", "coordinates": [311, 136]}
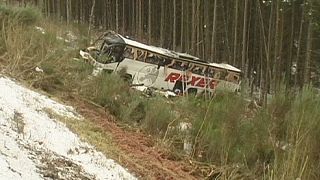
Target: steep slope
{"type": "Point", "coordinates": [34, 145]}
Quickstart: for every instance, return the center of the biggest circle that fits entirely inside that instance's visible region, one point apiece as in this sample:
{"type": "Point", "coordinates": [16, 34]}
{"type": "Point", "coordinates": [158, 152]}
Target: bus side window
{"type": "Point", "coordinates": [211, 72]}
{"type": "Point", "coordinates": [217, 75]}
{"type": "Point", "coordinates": [135, 53]}
{"type": "Point", "coordinates": [198, 70]}
{"type": "Point", "coordinates": [236, 78]}
{"type": "Point", "coordinates": [113, 51]}
{"type": "Point", "coordinates": [204, 71]}
{"type": "Point", "coordinates": [163, 61]}
{"type": "Point", "coordinates": [190, 66]}
{"type": "Point", "coordinates": [171, 63]}
{"type": "Point", "coordinates": [230, 77]}
{"type": "Point", "coordinates": [128, 53]}
{"type": "Point", "coordinates": [182, 66]}
{"type": "Point", "coordinates": [177, 65]}
{"type": "Point", "coordinates": [151, 58]}
{"type": "Point", "coordinates": [223, 74]}
{"type": "Point", "coordinates": [140, 55]}
{"type": "Point", "coordinates": [166, 62]}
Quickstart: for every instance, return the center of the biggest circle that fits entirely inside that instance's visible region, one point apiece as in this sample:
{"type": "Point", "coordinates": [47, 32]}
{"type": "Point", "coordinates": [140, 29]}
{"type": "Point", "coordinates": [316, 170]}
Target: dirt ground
{"type": "Point", "coordinates": [139, 152]}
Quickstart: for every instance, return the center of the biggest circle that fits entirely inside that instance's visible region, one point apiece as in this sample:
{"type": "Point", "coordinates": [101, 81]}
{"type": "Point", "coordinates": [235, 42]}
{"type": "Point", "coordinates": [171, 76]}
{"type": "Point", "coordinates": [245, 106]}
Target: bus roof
{"type": "Point", "coordinates": [169, 53]}
{"type": "Point", "coordinates": [225, 66]}
{"type": "Point", "coordinates": [158, 50]}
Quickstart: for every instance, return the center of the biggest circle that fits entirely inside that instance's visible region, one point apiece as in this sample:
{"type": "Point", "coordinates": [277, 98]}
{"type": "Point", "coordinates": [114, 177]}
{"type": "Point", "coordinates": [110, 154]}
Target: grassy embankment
{"type": "Point", "coordinates": [276, 142]}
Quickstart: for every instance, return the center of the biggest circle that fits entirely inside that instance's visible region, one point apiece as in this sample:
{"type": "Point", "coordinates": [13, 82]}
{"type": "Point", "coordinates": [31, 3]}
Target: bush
{"type": "Point", "coordinates": [218, 132]}
{"type": "Point", "coordinates": [159, 114]}
{"type": "Point", "coordinates": [300, 159]}
{"type": "Point", "coordinates": [108, 90]}
{"type": "Point", "coordinates": [20, 15]}
{"type": "Point", "coordinates": [26, 15]}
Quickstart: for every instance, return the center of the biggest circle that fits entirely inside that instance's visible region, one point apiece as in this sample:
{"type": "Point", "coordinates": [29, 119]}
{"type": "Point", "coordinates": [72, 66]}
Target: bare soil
{"type": "Point", "coordinates": [139, 153]}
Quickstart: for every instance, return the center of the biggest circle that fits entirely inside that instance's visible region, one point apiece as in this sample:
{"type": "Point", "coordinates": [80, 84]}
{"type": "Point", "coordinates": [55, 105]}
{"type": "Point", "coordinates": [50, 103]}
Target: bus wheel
{"type": "Point", "coordinates": [127, 78]}
{"type": "Point", "coordinates": [177, 88]}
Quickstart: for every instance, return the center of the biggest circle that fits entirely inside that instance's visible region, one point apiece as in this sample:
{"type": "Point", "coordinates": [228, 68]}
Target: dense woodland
{"type": "Point", "coordinates": [264, 38]}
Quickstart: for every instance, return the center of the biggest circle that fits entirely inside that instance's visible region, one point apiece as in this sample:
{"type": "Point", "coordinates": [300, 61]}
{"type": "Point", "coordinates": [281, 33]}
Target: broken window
{"type": "Point", "coordinates": [198, 70]}
{"type": "Point", "coordinates": [179, 65]}
{"type": "Point", "coordinates": [217, 74]}
{"type": "Point", "coordinates": [223, 74]}
{"type": "Point", "coordinates": [128, 53]}
{"type": "Point", "coordinates": [111, 53]}
{"type": "Point", "coordinates": [190, 66]}
{"type": "Point", "coordinates": [164, 61]}
{"type": "Point", "coordinates": [210, 72]}
{"type": "Point", "coordinates": [141, 55]}
{"type": "Point", "coordinates": [151, 58]}
{"type": "Point", "coordinates": [232, 77]}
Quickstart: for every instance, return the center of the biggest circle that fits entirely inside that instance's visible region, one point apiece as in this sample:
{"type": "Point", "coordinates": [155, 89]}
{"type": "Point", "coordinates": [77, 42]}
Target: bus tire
{"type": "Point", "coordinates": [127, 78]}
{"type": "Point", "coordinates": [177, 88]}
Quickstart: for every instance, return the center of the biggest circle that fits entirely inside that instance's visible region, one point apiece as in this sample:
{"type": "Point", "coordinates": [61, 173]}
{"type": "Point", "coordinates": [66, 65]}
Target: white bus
{"type": "Point", "coordinates": [160, 68]}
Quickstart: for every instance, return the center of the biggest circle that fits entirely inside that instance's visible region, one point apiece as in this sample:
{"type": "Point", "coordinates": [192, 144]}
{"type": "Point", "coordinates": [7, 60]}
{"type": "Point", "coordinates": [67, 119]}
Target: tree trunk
{"type": "Point", "coordinates": [244, 39]}
{"type": "Point", "coordinates": [206, 39]}
{"type": "Point", "coordinates": [276, 59]}
{"type": "Point", "coordinates": [213, 36]}
{"type": "Point", "coordinates": [299, 68]}
{"type": "Point", "coordinates": [193, 27]}
{"type": "Point", "coordinates": [182, 41]}
{"type": "Point", "coordinates": [309, 46]}
{"type": "Point", "coordinates": [227, 56]}
{"type": "Point", "coordinates": [264, 64]}
{"type": "Point", "coordinates": [162, 23]}
{"type": "Point", "coordinates": [117, 16]}
{"type": "Point", "coordinates": [235, 41]}
{"type": "Point", "coordinates": [68, 11]}
{"type": "Point", "coordinates": [289, 64]}
{"type": "Point", "coordinates": [149, 22]}
{"type": "Point", "coordinates": [174, 25]}
{"type": "Point", "coordinates": [58, 14]}
{"type": "Point", "coordinates": [123, 17]}
{"type": "Point", "coordinates": [91, 18]}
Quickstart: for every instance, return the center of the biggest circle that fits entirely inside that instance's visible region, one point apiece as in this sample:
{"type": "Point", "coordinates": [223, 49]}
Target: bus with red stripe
{"type": "Point", "coordinates": [161, 68]}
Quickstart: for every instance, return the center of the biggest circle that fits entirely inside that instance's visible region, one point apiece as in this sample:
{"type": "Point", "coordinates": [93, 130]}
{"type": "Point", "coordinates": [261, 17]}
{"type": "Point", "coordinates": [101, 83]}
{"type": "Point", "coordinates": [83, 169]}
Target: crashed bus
{"type": "Point", "coordinates": [160, 68]}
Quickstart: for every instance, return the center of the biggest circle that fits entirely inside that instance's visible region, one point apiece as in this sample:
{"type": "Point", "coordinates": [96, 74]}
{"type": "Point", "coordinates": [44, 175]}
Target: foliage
{"type": "Point", "coordinates": [300, 159]}
{"type": "Point", "coordinates": [22, 15]}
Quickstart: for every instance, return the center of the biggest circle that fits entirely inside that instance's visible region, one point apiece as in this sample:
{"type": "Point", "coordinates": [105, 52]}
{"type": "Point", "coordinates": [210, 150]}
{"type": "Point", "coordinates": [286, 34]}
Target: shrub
{"type": "Point", "coordinates": [300, 159]}
{"type": "Point", "coordinates": [20, 15]}
{"type": "Point", "coordinates": [218, 131]}
{"type": "Point", "coordinates": [159, 114]}
{"type": "Point", "coordinates": [108, 90]}
{"type": "Point", "coordinates": [26, 15]}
